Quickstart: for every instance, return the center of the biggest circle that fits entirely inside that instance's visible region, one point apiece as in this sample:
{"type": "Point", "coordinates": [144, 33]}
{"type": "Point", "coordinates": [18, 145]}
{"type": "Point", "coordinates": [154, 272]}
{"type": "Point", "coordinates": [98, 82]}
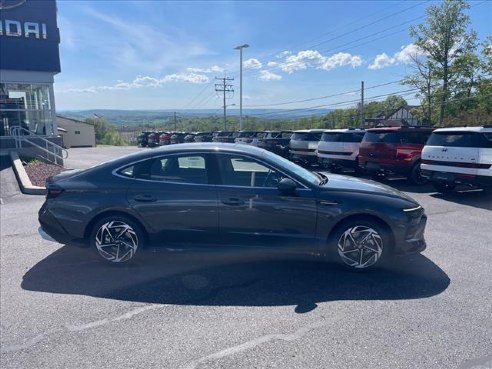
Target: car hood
{"type": "Point", "coordinates": [342, 182]}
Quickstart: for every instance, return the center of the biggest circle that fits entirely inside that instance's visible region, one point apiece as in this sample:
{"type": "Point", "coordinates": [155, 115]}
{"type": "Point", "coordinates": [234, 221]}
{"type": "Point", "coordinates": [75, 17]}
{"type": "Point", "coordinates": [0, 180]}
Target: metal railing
{"type": "Point", "coordinates": [53, 153]}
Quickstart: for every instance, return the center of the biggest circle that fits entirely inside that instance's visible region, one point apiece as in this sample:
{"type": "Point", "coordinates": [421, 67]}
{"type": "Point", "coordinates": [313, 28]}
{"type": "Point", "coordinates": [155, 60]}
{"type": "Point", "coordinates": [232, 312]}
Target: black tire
{"type": "Point", "coordinates": [416, 175]}
{"type": "Point", "coordinates": [444, 187]}
{"type": "Point", "coordinates": [371, 252]}
{"type": "Point", "coordinates": [117, 239]}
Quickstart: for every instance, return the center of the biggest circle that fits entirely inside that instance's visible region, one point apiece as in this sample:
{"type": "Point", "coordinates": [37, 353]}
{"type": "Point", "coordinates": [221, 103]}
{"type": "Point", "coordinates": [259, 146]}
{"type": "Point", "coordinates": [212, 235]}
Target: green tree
{"type": "Point", "coordinates": [106, 134]}
{"type": "Point", "coordinates": [443, 38]}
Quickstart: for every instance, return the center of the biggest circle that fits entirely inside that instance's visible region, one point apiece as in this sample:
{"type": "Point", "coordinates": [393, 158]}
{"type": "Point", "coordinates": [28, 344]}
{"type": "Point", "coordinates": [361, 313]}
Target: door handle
{"type": "Point", "coordinates": [233, 202]}
{"type": "Point", "coordinates": [145, 198]}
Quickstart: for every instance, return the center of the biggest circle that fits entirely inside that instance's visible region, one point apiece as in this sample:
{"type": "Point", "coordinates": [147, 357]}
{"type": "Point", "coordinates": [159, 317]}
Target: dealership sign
{"type": "Point", "coordinates": [27, 29]}
{"type": "Point", "coordinates": [29, 36]}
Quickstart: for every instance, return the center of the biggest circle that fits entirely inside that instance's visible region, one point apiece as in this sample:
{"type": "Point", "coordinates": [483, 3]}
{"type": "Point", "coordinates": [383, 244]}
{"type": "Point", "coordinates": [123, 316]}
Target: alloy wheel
{"type": "Point", "coordinates": [360, 246]}
{"type": "Point", "coordinates": [116, 241]}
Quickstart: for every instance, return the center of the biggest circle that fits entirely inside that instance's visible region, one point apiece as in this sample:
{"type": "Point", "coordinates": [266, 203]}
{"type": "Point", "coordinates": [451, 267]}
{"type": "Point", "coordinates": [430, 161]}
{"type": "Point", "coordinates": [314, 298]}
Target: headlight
{"type": "Point", "coordinates": [416, 208]}
{"type": "Point", "coordinates": [414, 212]}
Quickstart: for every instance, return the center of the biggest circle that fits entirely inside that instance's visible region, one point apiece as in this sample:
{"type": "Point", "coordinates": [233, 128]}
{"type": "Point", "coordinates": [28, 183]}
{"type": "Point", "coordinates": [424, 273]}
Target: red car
{"type": "Point", "coordinates": [165, 138]}
{"type": "Point", "coordinates": [394, 150]}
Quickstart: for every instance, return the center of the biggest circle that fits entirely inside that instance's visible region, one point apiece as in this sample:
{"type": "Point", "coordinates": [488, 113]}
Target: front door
{"type": "Point", "coordinates": [252, 211]}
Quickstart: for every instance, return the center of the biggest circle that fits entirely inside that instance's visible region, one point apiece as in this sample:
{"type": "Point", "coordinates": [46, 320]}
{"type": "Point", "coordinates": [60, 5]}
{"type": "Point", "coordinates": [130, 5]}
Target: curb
{"type": "Point", "coordinates": [24, 182]}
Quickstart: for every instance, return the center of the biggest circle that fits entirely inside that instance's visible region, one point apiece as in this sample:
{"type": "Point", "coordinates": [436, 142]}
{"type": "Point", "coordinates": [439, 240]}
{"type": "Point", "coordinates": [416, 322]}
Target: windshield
{"type": "Point", "coordinates": [294, 168]}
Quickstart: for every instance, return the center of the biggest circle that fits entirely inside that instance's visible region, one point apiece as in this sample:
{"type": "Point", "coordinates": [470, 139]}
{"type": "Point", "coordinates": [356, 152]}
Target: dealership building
{"type": "Point", "coordinates": [29, 60]}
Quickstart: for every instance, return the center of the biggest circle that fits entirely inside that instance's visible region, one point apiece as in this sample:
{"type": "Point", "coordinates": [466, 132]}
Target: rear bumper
{"type": "Point", "coordinates": [457, 178]}
{"type": "Point", "coordinates": [385, 168]}
{"type": "Point", "coordinates": [338, 163]}
{"type": "Point", "coordinates": [303, 156]}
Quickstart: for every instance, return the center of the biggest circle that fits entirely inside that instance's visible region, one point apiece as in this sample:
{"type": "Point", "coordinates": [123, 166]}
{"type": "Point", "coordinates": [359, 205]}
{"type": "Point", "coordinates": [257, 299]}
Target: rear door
{"type": "Point", "coordinates": [173, 196]}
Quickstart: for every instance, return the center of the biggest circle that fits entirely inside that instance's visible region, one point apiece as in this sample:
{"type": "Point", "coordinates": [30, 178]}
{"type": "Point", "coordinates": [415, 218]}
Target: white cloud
{"type": "Point", "coordinates": [283, 54]}
{"type": "Point", "coordinates": [272, 64]}
{"type": "Point", "coordinates": [144, 82]}
{"type": "Point", "coordinates": [252, 64]}
{"type": "Point", "coordinates": [212, 69]}
{"type": "Point", "coordinates": [269, 76]}
{"type": "Point", "coordinates": [404, 56]}
{"type": "Point", "coordinates": [301, 60]}
{"type": "Point", "coordinates": [340, 60]}
{"type": "Point", "coordinates": [408, 52]}
{"type": "Point", "coordinates": [190, 77]}
{"type": "Point", "coordinates": [381, 61]}
{"type": "Point", "coordinates": [314, 59]}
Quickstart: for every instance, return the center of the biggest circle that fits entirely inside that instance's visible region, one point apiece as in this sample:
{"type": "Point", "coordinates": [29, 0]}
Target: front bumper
{"type": "Point", "coordinates": [413, 239]}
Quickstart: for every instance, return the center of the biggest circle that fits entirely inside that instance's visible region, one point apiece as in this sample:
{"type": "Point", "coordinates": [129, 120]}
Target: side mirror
{"type": "Point", "coordinates": [287, 186]}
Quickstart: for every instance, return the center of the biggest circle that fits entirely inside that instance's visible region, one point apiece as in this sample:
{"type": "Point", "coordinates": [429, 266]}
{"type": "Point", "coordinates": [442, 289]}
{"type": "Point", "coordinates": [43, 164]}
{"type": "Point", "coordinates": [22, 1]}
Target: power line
{"type": "Point", "coordinates": [342, 103]}
{"type": "Point", "coordinates": [322, 97]}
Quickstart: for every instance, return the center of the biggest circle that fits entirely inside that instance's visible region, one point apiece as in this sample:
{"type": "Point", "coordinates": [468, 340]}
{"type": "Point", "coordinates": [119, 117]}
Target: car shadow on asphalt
{"type": "Point", "coordinates": [232, 279]}
{"type": "Point", "coordinates": [476, 198]}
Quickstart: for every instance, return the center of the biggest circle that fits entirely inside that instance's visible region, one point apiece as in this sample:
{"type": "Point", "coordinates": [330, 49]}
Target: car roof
{"type": "Point", "coordinates": [345, 130]}
{"type": "Point", "coordinates": [465, 129]}
{"type": "Point", "coordinates": [402, 128]}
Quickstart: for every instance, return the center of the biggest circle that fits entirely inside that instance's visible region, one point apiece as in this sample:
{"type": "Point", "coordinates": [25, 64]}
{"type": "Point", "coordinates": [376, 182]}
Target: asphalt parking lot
{"type": "Point", "coordinates": [61, 307]}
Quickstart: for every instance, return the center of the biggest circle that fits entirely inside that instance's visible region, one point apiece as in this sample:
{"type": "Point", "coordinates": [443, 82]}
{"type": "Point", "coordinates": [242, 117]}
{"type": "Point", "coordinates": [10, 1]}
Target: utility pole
{"type": "Point", "coordinates": [224, 87]}
{"type": "Point", "coordinates": [175, 122]}
{"type": "Point", "coordinates": [362, 105]}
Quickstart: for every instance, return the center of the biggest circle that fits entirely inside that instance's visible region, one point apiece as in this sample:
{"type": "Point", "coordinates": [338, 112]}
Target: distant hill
{"type": "Point", "coordinates": [136, 117]}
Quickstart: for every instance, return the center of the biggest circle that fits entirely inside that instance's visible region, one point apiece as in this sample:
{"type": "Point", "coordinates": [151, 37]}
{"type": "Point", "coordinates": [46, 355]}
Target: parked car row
{"type": "Point", "coordinates": [445, 157]}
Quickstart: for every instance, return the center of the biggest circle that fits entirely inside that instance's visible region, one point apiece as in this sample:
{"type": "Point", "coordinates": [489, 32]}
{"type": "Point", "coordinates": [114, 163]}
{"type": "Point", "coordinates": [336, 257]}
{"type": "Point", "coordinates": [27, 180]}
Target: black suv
{"type": "Point", "coordinates": [277, 142]}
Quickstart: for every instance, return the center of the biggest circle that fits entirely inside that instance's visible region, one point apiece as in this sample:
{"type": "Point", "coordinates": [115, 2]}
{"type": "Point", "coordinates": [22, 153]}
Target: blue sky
{"type": "Point", "coordinates": [166, 55]}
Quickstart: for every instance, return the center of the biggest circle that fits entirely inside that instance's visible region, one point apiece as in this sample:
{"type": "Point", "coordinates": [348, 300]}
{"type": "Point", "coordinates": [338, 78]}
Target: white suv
{"type": "Point", "coordinates": [458, 156]}
{"type": "Point", "coordinates": [339, 148]}
{"type": "Point", "coordinates": [303, 145]}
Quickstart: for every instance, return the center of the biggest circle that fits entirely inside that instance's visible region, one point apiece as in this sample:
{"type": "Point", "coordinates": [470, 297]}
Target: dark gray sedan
{"type": "Point", "coordinates": [213, 195]}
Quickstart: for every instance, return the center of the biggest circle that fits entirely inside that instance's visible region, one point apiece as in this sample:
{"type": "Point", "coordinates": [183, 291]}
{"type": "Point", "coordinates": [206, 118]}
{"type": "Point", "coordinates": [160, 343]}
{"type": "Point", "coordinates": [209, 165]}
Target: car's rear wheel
{"type": "Point", "coordinates": [443, 187]}
{"type": "Point", "coordinates": [117, 239]}
{"type": "Point", "coordinates": [360, 244]}
{"type": "Point", "coordinates": [416, 175]}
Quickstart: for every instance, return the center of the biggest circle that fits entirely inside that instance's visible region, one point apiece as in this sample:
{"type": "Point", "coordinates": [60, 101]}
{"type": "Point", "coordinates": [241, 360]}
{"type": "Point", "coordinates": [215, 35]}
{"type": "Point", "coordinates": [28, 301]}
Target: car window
{"type": "Point", "coordinates": [352, 137]}
{"type": "Point", "coordinates": [331, 137]}
{"type": "Point", "coordinates": [243, 171]}
{"type": "Point", "coordinates": [386, 137]}
{"type": "Point", "coordinates": [301, 136]}
{"type": "Point", "coordinates": [414, 137]}
{"type": "Point", "coordinates": [455, 139]}
{"type": "Point", "coordinates": [184, 169]}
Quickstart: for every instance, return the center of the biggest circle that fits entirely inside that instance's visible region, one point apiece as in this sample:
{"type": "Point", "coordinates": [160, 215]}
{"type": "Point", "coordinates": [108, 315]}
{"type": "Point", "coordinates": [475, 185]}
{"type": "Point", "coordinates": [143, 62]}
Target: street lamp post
{"type": "Point", "coordinates": [240, 48]}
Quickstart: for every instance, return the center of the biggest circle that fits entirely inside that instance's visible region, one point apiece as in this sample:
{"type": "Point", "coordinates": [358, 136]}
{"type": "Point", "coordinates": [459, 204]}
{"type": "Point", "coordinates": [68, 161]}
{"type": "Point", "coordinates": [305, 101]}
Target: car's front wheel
{"type": "Point", "coordinates": [360, 243]}
{"type": "Point", "coordinates": [117, 239]}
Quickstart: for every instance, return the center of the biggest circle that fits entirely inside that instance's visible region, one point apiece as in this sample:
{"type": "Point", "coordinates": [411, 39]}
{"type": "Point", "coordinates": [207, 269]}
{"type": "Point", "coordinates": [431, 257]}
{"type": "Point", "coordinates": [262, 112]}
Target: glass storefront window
{"type": "Point", "coordinates": [25, 105]}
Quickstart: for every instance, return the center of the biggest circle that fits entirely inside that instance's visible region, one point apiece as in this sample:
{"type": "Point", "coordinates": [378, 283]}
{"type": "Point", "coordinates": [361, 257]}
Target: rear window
{"type": "Point", "coordinates": [331, 137]}
{"type": "Point", "coordinates": [385, 137]}
{"type": "Point", "coordinates": [398, 137]}
{"type": "Point", "coordinates": [461, 139]}
{"type": "Point", "coordinates": [342, 136]}
{"type": "Point", "coordinates": [306, 136]}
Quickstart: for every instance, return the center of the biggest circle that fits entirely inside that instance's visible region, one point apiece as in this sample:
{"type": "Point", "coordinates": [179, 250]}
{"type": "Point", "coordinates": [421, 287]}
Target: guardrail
{"type": "Point", "coordinates": [53, 153]}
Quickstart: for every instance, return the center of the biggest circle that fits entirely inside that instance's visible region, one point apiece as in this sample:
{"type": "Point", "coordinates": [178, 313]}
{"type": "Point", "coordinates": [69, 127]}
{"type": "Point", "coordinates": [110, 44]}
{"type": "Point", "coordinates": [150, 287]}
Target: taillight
{"type": "Point", "coordinates": [53, 192]}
